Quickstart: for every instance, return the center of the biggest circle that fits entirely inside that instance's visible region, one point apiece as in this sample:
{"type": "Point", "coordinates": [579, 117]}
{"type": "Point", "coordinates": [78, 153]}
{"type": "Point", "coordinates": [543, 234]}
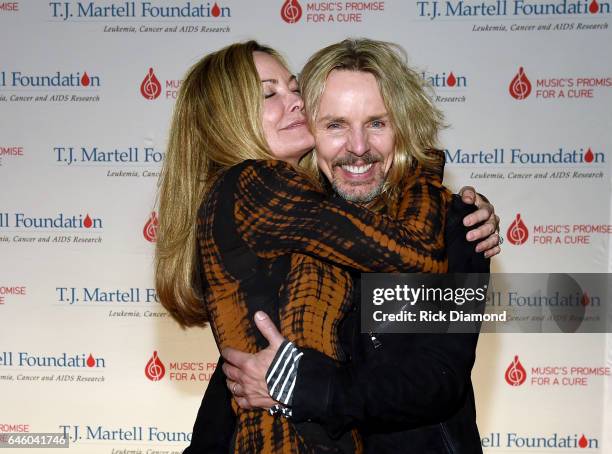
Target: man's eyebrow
{"type": "Point", "coordinates": [343, 120]}
{"type": "Point", "coordinates": [378, 116]}
{"type": "Point", "coordinates": [332, 118]}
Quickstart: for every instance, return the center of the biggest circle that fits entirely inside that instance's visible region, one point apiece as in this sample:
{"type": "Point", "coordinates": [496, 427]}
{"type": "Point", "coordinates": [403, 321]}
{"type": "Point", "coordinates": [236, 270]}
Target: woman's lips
{"type": "Point", "coordinates": [295, 124]}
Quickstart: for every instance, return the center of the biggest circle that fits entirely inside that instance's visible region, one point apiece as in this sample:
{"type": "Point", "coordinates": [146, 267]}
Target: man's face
{"type": "Point", "coordinates": [354, 136]}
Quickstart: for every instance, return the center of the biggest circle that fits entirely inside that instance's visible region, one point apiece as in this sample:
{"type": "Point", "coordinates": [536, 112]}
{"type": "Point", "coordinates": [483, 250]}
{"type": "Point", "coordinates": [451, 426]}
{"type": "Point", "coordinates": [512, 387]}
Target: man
{"type": "Point", "coordinates": [406, 393]}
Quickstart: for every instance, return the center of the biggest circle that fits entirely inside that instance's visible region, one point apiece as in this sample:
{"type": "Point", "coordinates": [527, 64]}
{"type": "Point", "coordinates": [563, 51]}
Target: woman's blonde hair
{"type": "Point", "coordinates": [416, 121]}
{"type": "Point", "coordinates": [216, 124]}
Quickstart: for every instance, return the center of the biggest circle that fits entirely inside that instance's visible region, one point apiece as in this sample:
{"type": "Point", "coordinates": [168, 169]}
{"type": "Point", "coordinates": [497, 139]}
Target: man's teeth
{"type": "Point", "coordinates": [357, 169]}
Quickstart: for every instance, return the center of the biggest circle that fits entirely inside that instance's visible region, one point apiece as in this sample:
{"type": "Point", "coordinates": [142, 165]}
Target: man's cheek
{"type": "Point", "coordinates": [389, 155]}
{"type": "Point", "coordinates": [388, 165]}
{"type": "Point", "coordinates": [323, 166]}
{"type": "Point", "coordinates": [326, 152]}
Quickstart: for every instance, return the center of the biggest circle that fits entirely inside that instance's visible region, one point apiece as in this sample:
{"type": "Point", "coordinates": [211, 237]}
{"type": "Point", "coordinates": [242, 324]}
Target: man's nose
{"type": "Point", "coordinates": [358, 142]}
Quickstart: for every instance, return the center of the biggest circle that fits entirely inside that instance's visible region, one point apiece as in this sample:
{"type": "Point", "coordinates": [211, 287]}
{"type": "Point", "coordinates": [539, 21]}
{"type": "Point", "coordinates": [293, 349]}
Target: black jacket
{"type": "Point", "coordinates": [411, 394]}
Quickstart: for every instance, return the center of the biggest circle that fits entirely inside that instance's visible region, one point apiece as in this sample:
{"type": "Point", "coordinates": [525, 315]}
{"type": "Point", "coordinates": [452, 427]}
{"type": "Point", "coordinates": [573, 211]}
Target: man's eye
{"type": "Point", "coordinates": [269, 95]}
{"type": "Point", "coordinates": [378, 124]}
{"type": "Point", "coordinates": [333, 125]}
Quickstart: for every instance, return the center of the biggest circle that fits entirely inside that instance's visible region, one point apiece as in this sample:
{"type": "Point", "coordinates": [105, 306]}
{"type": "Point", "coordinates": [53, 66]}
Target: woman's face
{"type": "Point", "coordinates": [284, 123]}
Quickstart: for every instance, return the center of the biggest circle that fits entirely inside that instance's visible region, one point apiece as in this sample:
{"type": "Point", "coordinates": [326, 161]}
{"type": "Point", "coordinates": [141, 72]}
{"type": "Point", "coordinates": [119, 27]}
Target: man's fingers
{"type": "Point", "coordinates": [243, 403]}
{"type": "Point", "coordinates": [234, 356]}
{"type": "Point", "coordinates": [232, 372]}
{"type": "Point", "coordinates": [468, 194]}
{"type": "Point", "coordinates": [268, 329]}
{"type": "Point", "coordinates": [258, 402]}
{"type": "Point", "coordinates": [234, 387]}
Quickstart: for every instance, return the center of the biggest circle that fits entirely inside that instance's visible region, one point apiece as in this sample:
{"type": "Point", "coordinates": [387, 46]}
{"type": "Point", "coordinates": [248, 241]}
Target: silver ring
{"type": "Point", "coordinates": [501, 239]}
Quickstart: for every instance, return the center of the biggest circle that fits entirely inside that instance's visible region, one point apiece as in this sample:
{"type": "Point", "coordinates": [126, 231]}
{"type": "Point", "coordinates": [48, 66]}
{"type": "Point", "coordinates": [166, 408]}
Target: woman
{"type": "Point", "coordinates": [268, 237]}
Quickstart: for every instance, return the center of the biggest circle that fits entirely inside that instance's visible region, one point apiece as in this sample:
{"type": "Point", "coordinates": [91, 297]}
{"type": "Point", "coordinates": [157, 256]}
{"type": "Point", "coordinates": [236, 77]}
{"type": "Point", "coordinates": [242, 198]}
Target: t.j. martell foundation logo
{"type": "Point", "coordinates": [515, 373]}
{"type": "Point", "coordinates": [517, 233]}
{"type": "Point", "coordinates": [150, 228]}
{"type": "Point", "coordinates": [155, 369]}
{"type": "Point", "coordinates": [291, 11]}
{"type": "Point", "coordinates": [150, 88]}
{"type": "Point", "coordinates": [520, 86]}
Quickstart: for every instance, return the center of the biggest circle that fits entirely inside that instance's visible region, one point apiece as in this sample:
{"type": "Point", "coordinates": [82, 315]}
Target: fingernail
{"type": "Point", "coordinates": [259, 315]}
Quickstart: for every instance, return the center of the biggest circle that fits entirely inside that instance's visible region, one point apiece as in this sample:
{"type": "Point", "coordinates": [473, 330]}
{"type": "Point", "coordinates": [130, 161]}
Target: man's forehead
{"type": "Point", "coordinates": [345, 78]}
{"type": "Point", "coordinates": [346, 89]}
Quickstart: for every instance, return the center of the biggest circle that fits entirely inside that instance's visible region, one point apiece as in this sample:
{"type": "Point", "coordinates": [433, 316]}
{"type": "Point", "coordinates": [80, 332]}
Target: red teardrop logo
{"type": "Point", "coordinates": [588, 157]}
{"type": "Point", "coordinates": [517, 233]}
{"type": "Point", "coordinates": [515, 373]}
{"type": "Point", "coordinates": [583, 442]}
{"type": "Point", "coordinates": [585, 300]}
{"type": "Point", "coordinates": [150, 87]}
{"type": "Point", "coordinates": [291, 11]}
{"type": "Point", "coordinates": [155, 370]}
{"type": "Point", "coordinates": [150, 228]}
{"type": "Point", "coordinates": [520, 87]}
{"type": "Point", "coordinates": [87, 222]}
{"type": "Point", "coordinates": [85, 80]}
{"type": "Point", "coordinates": [593, 7]}
{"type": "Point", "coordinates": [91, 362]}
{"type": "Point", "coordinates": [215, 11]}
{"type": "Point", "coordinates": [451, 80]}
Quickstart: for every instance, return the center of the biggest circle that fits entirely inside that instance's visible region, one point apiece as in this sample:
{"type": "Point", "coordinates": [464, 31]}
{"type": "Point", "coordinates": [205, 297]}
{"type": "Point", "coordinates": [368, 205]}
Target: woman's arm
{"type": "Point", "coordinates": [278, 211]}
{"type": "Point", "coordinates": [410, 380]}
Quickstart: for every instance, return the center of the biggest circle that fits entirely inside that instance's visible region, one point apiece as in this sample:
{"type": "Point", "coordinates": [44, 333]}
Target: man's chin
{"type": "Point", "coordinates": [358, 194]}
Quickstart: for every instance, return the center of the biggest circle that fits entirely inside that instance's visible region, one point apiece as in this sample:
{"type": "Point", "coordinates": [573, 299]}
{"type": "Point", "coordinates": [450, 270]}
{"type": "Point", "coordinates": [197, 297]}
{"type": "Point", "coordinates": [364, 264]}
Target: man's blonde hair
{"type": "Point", "coordinates": [416, 121]}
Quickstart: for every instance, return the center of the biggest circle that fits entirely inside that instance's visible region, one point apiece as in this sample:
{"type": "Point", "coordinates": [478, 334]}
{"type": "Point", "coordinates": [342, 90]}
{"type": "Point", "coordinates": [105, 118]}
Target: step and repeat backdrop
{"type": "Point", "coordinates": [86, 93]}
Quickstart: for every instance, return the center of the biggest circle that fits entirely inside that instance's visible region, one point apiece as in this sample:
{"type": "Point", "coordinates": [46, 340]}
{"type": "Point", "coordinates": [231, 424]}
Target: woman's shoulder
{"type": "Point", "coordinates": [260, 168]}
{"type": "Point", "coordinates": [244, 175]}
{"type": "Point", "coordinates": [263, 167]}
{"type": "Point", "coordinates": [268, 176]}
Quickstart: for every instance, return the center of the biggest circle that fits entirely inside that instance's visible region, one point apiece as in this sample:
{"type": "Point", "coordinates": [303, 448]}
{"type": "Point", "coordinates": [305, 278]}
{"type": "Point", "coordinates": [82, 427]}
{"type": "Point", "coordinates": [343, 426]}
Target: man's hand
{"type": "Point", "coordinates": [489, 231]}
{"type": "Point", "coordinates": [246, 373]}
